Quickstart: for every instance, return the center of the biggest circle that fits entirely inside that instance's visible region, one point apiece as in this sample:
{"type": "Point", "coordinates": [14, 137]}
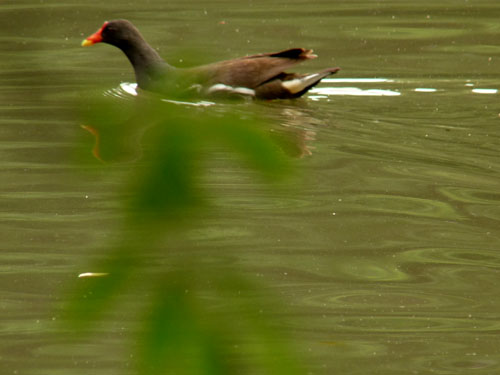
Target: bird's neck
{"type": "Point", "coordinates": [149, 67]}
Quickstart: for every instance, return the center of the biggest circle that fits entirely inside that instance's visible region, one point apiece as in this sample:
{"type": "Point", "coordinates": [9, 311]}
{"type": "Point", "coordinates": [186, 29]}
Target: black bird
{"type": "Point", "coordinates": [260, 76]}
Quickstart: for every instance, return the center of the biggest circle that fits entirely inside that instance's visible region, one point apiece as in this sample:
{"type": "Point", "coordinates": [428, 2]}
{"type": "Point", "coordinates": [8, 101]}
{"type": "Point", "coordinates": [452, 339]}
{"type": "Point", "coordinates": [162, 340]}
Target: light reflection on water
{"type": "Point", "coordinates": [323, 91]}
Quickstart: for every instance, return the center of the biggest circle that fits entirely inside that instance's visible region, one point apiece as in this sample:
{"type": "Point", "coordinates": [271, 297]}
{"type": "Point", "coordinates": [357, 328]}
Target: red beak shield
{"type": "Point", "coordinates": [94, 38]}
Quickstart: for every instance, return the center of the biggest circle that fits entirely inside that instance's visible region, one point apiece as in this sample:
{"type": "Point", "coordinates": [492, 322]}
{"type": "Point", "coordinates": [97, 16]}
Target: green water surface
{"type": "Point", "coordinates": [386, 245]}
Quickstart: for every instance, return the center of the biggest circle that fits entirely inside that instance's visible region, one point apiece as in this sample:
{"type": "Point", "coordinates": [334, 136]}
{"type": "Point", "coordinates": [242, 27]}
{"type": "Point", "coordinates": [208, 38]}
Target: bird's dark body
{"type": "Point", "coordinates": [261, 76]}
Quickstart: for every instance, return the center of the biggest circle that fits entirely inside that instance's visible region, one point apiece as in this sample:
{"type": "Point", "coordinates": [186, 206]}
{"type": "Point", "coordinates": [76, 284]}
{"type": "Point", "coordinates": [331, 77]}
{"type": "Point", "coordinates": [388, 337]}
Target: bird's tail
{"type": "Point", "coordinates": [298, 85]}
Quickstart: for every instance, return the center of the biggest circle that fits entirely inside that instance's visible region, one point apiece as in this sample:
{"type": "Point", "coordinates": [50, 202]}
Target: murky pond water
{"type": "Point", "coordinates": [387, 254]}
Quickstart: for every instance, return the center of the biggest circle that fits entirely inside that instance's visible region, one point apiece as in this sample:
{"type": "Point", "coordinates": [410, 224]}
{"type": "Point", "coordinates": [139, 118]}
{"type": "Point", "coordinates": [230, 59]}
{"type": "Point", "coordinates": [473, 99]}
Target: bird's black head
{"type": "Point", "coordinates": [119, 33]}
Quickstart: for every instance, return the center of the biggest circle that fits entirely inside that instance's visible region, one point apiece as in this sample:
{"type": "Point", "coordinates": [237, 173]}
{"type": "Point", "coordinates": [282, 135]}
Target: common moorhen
{"type": "Point", "coordinates": [261, 76]}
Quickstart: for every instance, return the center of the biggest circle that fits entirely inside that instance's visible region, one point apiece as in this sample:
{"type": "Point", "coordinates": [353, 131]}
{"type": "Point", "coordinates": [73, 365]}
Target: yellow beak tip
{"type": "Point", "coordinates": [87, 43]}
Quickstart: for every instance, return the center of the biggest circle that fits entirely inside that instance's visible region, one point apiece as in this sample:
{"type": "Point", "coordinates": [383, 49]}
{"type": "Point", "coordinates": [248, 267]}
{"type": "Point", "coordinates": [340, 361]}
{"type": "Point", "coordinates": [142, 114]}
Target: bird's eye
{"type": "Point", "coordinates": [109, 28]}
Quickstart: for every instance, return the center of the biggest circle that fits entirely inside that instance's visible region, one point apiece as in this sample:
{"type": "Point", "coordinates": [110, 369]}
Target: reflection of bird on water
{"type": "Point", "coordinates": [120, 120]}
{"type": "Point", "coordinates": [261, 76]}
{"type": "Point", "coordinates": [118, 126]}
{"type": "Point", "coordinates": [115, 144]}
{"type": "Point", "coordinates": [123, 142]}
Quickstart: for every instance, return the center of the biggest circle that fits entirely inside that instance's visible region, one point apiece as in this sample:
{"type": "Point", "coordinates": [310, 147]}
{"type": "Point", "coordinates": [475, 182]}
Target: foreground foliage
{"type": "Point", "coordinates": [194, 319]}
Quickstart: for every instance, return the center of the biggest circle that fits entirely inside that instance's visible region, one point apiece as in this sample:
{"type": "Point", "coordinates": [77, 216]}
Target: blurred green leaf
{"type": "Point", "coordinates": [165, 146]}
{"type": "Point", "coordinates": [248, 138]}
{"type": "Point", "coordinates": [167, 187]}
{"type": "Point", "coordinates": [174, 341]}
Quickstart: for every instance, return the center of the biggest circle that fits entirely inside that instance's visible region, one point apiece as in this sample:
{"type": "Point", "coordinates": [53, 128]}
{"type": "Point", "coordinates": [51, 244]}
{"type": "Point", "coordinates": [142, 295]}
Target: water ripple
{"type": "Point", "coordinates": [401, 205]}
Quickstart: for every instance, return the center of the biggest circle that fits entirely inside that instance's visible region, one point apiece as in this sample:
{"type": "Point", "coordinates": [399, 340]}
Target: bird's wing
{"type": "Point", "coordinates": [251, 71]}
